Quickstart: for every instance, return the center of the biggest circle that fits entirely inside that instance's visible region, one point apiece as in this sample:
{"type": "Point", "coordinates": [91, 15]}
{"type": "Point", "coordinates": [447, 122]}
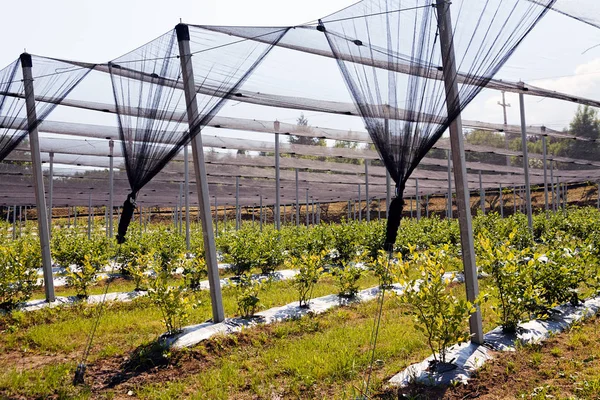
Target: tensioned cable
{"type": "Point", "coordinates": [316, 22]}
{"type": "Point", "coordinates": [375, 330]}
{"type": "Point", "coordinates": [81, 367]}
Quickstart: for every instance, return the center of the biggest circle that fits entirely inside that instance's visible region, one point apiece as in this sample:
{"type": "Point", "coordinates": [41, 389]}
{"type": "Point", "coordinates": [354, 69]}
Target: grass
{"type": "Point", "coordinates": [323, 356]}
{"type": "Point", "coordinates": [126, 325]}
{"type": "Point", "coordinates": [566, 366]}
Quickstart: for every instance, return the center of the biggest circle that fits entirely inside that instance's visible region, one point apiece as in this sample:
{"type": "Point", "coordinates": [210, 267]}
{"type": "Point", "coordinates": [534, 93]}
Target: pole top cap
{"type": "Point", "coordinates": [26, 60]}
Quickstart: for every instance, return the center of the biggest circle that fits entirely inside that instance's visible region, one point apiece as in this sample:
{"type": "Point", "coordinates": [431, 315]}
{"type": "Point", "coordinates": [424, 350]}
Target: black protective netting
{"type": "Point", "coordinates": [587, 11]}
{"type": "Point", "coordinates": [53, 80]}
{"type": "Point", "coordinates": [148, 91]}
{"type": "Point", "coordinates": [405, 114]}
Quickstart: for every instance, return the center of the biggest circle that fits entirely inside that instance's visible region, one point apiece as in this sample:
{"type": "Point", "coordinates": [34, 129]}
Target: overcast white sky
{"type": "Point", "coordinates": [98, 31]}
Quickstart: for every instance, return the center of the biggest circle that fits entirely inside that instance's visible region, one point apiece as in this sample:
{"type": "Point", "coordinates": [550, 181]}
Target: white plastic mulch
{"type": "Point", "coordinates": [194, 334]}
{"type": "Point", "coordinates": [33, 305]}
{"type": "Point", "coordinates": [468, 357]}
{"type": "Point", "coordinates": [107, 272]}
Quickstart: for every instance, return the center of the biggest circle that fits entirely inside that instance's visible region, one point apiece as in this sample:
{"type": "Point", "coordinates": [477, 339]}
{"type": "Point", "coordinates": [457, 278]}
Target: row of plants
{"type": "Point", "coordinates": [335, 245]}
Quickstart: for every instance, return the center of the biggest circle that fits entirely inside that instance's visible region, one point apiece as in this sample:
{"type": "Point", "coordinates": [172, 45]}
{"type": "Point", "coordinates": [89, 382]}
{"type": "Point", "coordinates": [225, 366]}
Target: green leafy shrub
{"type": "Point", "coordinates": [441, 315]}
{"type": "Point", "coordinates": [382, 266]}
{"type": "Point", "coordinates": [169, 247]}
{"type": "Point", "coordinates": [345, 240]}
{"type": "Point", "coordinates": [310, 268]}
{"type": "Point", "coordinates": [174, 302]}
{"type": "Point", "coordinates": [563, 271]}
{"type": "Point", "coordinates": [138, 267]}
{"type": "Point", "coordinates": [247, 249]}
{"type": "Point", "coordinates": [19, 262]}
{"type": "Point", "coordinates": [194, 271]}
{"type": "Point", "coordinates": [247, 295]}
{"type": "Point", "coordinates": [374, 238]}
{"type": "Point", "coordinates": [70, 248]}
{"type": "Point", "coordinates": [269, 251]}
{"type": "Point", "coordinates": [512, 273]}
{"type": "Point", "coordinates": [82, 277]}
{"type": "Point", "coordinates": [346, 278]}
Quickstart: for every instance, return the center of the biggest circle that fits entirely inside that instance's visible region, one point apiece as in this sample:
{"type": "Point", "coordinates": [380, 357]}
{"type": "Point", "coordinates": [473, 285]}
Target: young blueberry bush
{"type": "Point", "coordinates": [19, 263]}
{"type": "Point", "coordinates": [438, 313]}
{"type": "Point", "coordinates": [310, 269]}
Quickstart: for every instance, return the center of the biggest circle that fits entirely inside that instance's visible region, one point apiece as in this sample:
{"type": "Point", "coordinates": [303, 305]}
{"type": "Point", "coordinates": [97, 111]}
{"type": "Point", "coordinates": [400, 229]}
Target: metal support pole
{"type": "Point", "coordinates": [514, 199]}
{"type": "Point", "coordinates": [186, 191]}
{"type": "Point", "coordinates": [368, 208]}
{"type": "Point", "coordinates": [501, 201]}
{"type": "Point", "coordinates": [566, 195]}
{"type": "Point", "coordinates": [411, 208]}
{"type": "Point", "coordinates": [277, 181]}
{"type": "Point", "coordinates": [307, 216]}
{"type": "Point", "coordinates": [449, 210]}
{"type": "Point", "coordinates": [359, 205]}
{"type": "Point", "coordinates": [261, 213]}
{"type": "Point", "coordinates": [481, 195]}
{"type": "Point", "coordinates": [90, 217]}
{"type": "Point", "coordinates": [427, 205]}
{"type": "Point", "coordinates": [552, 187]}
{"type": "Point", "coordinates": [50, 192]}
{"type": "Point", "coordinates": [417, 200]}
{"type": "Point", "coordinates": [141, 222]}
{"type": "Point", "coordinates": [14, 231]}
{"type": "Point", "coordinates": [237, 203]}
{"type": "Point", "coordinates": [225, 217]}
{"type": "Point", "coordinates": [38, 177]}
{"type": "Point", "coordinates": [349, 210]}
{"type": "Point", "coordinates": [216, 217]}
{"type": "Point", "coordinates": [183, 37]}
{"type": "Point", "coordinates": [545, 156]}
{"type": "Point", "coordinates": [297, 201]}
{"type": "Point", "coordinates": [111, 179]}
{"type": "Point", "coordinates": [388, 193]}
{"type": "Point", "coordinates": [74, 216]}
{"type": "Point", "coordinates": [525, 161]}
{"type": "Point", "coordinates": [180, 209]}
{"type": "Point", "coordinates": [460, 170]}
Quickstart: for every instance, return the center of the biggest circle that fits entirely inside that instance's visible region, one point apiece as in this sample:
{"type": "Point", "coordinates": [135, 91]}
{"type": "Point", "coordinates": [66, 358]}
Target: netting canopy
{"type": "Point", "coordinates": [390, 58]}
{"type": "Point", "coordinates": [151, 106]}
{"type": "Point", "coordinates": [585, 11]}
{"type": "Point", "coordinates": [405, 114]}
{"type": "Point", "coordinates": [53, 80]}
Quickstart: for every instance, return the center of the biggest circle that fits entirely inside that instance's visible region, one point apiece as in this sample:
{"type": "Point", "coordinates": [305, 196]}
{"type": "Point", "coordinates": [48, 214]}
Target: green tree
{"type": "Point", "coordinates": [479, 137]}
{"type": "Point", "coordinates": [302, 123]}
{"type": "Point", "coordinates": [346, 144]}
{"type": "Point", "coordinates": [586, 125]}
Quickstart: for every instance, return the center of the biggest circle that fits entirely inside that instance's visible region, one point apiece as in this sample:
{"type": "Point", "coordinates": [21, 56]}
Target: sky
{"type": "Point", "coordinates": [553, 56]}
